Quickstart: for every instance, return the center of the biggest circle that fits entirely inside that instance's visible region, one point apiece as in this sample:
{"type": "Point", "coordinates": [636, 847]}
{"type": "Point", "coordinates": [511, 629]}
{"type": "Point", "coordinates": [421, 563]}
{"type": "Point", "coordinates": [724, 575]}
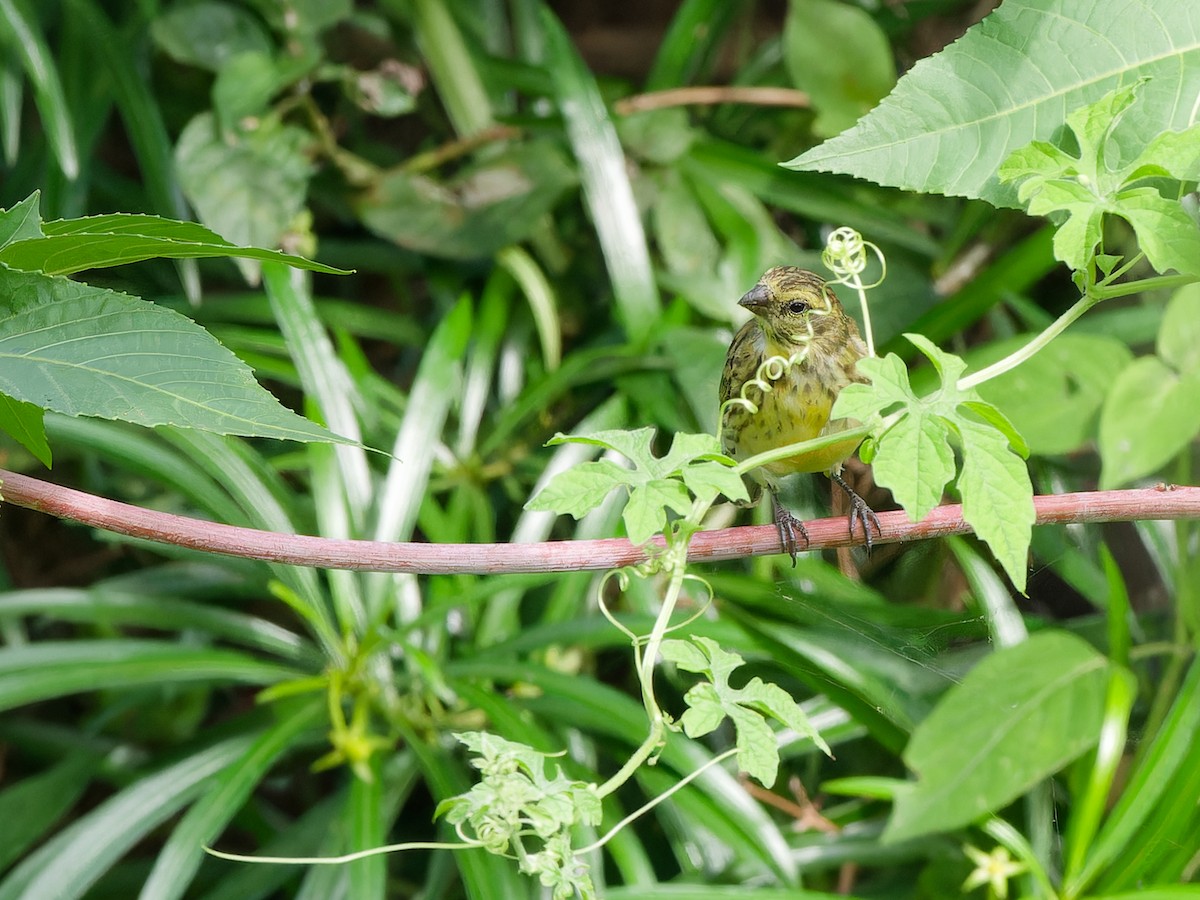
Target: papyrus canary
{"type": "Point", "coordinates": [796, 317]}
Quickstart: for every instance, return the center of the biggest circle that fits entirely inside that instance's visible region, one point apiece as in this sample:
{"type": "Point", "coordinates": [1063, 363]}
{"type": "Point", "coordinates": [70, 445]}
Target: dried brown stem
{"type": "Point", "coordinates": [1161, 502]}
{"type": "Point", "coordinates": [712, 96]}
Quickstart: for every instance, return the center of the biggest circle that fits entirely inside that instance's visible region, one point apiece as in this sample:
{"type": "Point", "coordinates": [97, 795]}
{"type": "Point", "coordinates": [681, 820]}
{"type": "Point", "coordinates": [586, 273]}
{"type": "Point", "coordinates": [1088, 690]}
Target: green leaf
{"type": "Point", "coordinates": [24, 422]}
{"type": "Point", "coordinates": [31, 806]}
{"type": "Point", "coordinates": [997, 496]}
{"type": "Point", "coordinates": [1165, 232]}
{"type": "Point", "coordinates": [207, 33]}
{"type": "Point", "coordinates": [96, 242]}
{"type": "Point", "coordinates": [949, 367]}
{"type": "Point", "coordinates": [915, 462]}
{"type": "Point", "coordinates": [248, 185]}
{"type": "Point", "coordinates": [956, 116]}
{"type": "Point", "coordinates": [1179, 334]}
{"type": "Point", "coordinates": [706, 480]}
{"type": "Point", "coordinates": [485, 207]}
{"type": "Point", "coordinates": [85, 351]}
{"type": "Point", "coordinates": [580, 489]}
{"type": "Point", "coordinates": [1054, 398]}
{"type": "Point", "coordinates": [643, 515]}
{"type": "Point", "coordinates": [1018, 717]}
{"type": "Point", "coordinates": [633, 445]}
{"type": "Point", "coordinates": [1150, 415]}
{"type": "Point", "coordinates": [22, 221]}
{"type": "Point", "coordinates": [889, 386]}
{"type": "Point", "coordinates": [748, 707]}
{"type": "Point", "coordinates": [847, 82]}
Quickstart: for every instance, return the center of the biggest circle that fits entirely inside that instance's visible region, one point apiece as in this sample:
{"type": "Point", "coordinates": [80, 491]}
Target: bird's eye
{"type": "Point", "coordinates": [797, 306]}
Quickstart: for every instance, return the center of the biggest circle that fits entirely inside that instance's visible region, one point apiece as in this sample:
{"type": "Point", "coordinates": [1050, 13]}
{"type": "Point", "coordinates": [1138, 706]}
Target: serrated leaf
{"type": "Point", "coordinates": [955, 116]}
{"type": "Point", "coordinates": [915, 463]}
{"type": "Point", "coordinates": [949, 367]}
{"type": "Point", "coordinates": [643, 515]}
{"type": "Point", "coordinates": [1175, 154]}
{"type": "Point", "coordinates": [633, 445]}
{"type": "Point", "coordinates": [1150, 415]}
{"type": "Point", "coordinates": [997, 497]}
{"type": "Point", "coordinates": [706, 480]}
{"type": "Point", "coordinates": [22, 221]}
{"type": "Point", "coordinates": [96, 242]}
{"type": "Point", "coordinates": [758, 750]}
{"type": "Point", "coordinates": [704, 712]}
{"type": "Point", "coordinates": [774, 701]}
{"type": "Point", "coordinates": [85, 351]}
{"type": "Point", "coordinates": [990, 414]}
{"type": "Point", "coordinates": [889, 386]}
{"type": "Point", "coordinates": [1016, 718]}
{"type": "Point", "coordinates": [685, 448]}
{"type": "Point", "coordinates": [580, 489]}
{"type": "Point", "coordinates": [1165, 232]}
{"type": "Point", "coordinates": [685, 654]}
{"type": "Point", "coordinates": [24, 422]}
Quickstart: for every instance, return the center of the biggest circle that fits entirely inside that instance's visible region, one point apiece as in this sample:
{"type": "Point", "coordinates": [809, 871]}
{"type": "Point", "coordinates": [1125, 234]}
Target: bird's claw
{"type": "Point", "coordinates": [789, 526]}
{"type": "Point", "coordinates": [860, 514]}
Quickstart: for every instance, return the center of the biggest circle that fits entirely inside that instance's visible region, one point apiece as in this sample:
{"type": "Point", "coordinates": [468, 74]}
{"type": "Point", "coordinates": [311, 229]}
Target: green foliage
{"type": "Point", "coordinates": [654, 494]}
{"type": "Point", "coordinates": [955, 117]}
{"type": "Point", "coordinates": [748, 708]}
{"type": "Point", "coordinates": [913, 459]}
{"type": "Point", "coordinates": [547, 246]}
{"type": "Point", "coordinates": [987, 742]}
{"type": "Point", "coordinates": [1088, 186]}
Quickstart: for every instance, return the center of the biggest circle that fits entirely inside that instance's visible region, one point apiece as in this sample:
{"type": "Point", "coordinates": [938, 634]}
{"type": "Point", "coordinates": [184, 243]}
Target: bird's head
{"type": "Point", "coordinates": [795, 305]}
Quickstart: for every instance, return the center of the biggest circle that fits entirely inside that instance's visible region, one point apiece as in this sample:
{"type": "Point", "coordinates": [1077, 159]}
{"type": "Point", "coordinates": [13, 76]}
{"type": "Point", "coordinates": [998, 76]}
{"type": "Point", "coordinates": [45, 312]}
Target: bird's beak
{"type": "Point", "coordinates": [756, 298]}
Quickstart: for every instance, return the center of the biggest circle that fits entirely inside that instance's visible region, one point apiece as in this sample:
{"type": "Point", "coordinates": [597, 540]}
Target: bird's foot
{"type": "Point", "coordinates": [789, 526]}
{"type": "Point", "coordinates": [860, 513]}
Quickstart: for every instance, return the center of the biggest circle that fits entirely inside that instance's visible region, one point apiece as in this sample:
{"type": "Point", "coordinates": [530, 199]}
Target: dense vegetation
{"type": "Point", "coordinates": [533, 219]}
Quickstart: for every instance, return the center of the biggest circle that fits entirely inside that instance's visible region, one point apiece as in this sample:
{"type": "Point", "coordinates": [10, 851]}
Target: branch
{"type": "Point", "coordinates": [1161, 502]}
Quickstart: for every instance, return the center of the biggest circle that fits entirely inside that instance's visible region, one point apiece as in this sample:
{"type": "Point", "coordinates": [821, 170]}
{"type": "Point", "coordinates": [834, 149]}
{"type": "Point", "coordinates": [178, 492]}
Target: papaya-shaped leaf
{"type": "Point", "coordinates": [86, 351]}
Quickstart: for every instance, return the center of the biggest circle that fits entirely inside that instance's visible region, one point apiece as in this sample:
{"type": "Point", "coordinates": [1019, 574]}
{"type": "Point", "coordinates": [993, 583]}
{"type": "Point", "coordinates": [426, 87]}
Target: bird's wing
{"type": "Point", "coordinates": [742, 360]}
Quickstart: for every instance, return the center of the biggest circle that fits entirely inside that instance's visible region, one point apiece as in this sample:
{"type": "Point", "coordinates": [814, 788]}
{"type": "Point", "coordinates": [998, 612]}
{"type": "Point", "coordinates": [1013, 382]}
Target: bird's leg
{"type": "Point", "coordinates": [788, 526]}
{"type": "Point", "coordinates": [860, 514]}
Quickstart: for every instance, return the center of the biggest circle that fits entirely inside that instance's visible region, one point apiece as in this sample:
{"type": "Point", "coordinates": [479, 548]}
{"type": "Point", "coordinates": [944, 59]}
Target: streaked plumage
{"type": "Point", "coordinates": [793, 308]}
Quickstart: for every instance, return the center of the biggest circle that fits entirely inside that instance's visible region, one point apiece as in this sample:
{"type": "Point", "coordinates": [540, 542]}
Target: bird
{"type": "Point", "coordinates": [796, 316]}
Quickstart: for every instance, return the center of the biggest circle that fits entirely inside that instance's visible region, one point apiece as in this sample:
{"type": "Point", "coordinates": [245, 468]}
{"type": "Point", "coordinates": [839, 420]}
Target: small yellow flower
{"type": "Point", "coordinates": [993, 869]}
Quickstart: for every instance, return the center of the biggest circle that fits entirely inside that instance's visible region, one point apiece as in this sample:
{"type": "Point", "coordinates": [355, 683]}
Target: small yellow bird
{"type": "Point", "coordinates": [796, 314]}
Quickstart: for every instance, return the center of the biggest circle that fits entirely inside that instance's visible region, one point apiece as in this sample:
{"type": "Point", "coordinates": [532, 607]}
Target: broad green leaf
{"type": "Point", "coordinates": [85, 351]}
{"type": "Point", "coordinates": [915, 462]}
{"type": "Point", "coordinates": [1179, 334]}
{"type": "Point", "coordinates": [889, 386]}
{"type": "Point", "coordinates": [1018, 717]}
{"type": "Point", "coordinates": [580, 489]}
{"type": "Point", "coordinates": [684, 449]}
{"type": "Point", "coordinates": [956, 116]}
{"type": "Point", "coordinates": [207, 33]}
{"type": "Point", "coordinates": [997, 496]}
{"type": "Point", "coordinates": [95, 242]}
{"type": "Point", "coordinates": [247, 184]}
{"type": "Point", "coordinates": [633, 445]}
{"type": "Point", "coordinates": [1150, 415]}
{"type": "Point", "coordinates": [490, 205]}
{"type": "Point", "coordinates": [1053, 399]}
{"type": "Point", "coordinates": [24, 422]}
{"type": "Point", "coordinates": [845, 84]}
{"type": "Point", "coordinates": [948, 366]}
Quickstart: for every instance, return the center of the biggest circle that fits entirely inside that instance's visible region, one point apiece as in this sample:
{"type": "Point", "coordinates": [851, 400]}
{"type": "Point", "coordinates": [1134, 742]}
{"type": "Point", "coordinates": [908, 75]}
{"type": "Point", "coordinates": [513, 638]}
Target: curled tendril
{"type": "Point", "coordinates": [845, 255]}
{"type": "Point", "coordinates": [622, 577]}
